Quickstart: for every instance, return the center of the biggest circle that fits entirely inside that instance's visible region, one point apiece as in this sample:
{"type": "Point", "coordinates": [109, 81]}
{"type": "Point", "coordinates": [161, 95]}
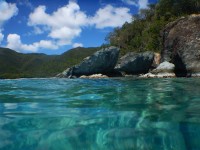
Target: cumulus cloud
{"type": "Point", "coordinates": [26, 3]}
{"type": "Point", "coordinates": [1, 37]}
{"type": "Point", "coordinates": [141, 4]}
{"type": "Point", "coordinates": [110, 16]}
{"type": "Point", "coordinates": [7, 11]}
{"type": "Point", "coordinates": [14, 42]}
{"type": "Point", "coordinates": [130, 2]}
{"type": "Point", "coordinates": [66, 22]}
{"type": "Point", "coordinates": [37, 30]}
{"type": "Point", "coordinates": [65, 35]}
{"type": "Point", "coordinates": [62, 25]}
{"type": "Point", "coordinates": [77, 45]}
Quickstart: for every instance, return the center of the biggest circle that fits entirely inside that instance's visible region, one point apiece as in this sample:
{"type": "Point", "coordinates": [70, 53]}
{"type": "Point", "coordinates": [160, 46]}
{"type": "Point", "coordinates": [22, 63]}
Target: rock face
{"type": "Point", "coordinates": [181, 45]}
{"type": "Point", "coordinates": [102, 61]}
{"type": "Point", "coordinates": [135, 63]}
{"type": "Point", "coordinates": [165, 69]}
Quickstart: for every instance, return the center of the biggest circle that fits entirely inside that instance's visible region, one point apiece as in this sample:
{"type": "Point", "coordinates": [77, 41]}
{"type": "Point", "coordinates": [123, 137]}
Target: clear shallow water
{"type": "Point", "coordinates": [109, 114]}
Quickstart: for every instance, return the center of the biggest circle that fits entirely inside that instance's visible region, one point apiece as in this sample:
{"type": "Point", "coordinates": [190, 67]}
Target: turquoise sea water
{"type": "Point", "coordinates": [104, 114]}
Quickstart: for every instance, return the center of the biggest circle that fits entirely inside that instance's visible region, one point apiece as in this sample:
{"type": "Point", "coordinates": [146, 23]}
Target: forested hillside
{"type": "Point", "coordinates": [18, 65]}
{"type": "Point", "coordinates": [143, 33]}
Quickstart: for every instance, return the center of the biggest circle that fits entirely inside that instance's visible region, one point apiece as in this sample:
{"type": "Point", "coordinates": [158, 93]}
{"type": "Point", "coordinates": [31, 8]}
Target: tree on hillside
{"type": "Point", "coordinates": [143, 33]}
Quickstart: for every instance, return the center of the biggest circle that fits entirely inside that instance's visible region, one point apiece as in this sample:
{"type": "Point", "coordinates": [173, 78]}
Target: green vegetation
{"type": "Point", "coordinates": [17, 65]}
{"type": "Point", "coordinates": [143, 33]}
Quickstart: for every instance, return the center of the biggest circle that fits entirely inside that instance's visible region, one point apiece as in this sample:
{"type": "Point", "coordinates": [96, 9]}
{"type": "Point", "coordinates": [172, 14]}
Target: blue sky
{"type": "Point", "coordinates": [55, 26]}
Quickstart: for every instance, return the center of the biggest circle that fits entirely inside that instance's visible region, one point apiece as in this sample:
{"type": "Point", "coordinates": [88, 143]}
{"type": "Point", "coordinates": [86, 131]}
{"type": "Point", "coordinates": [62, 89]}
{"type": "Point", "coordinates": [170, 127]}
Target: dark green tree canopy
{"type": "Point", "coordinates": [143, 33]}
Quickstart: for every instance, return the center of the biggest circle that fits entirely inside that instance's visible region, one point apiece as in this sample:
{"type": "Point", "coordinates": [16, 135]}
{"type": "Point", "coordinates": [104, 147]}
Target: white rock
{"type": "Point", "coordinates": [195, 75]}
{"type": "Point", "coordinates": [164, 70]}
{"type": "Point", "coordinates": [94, 76]}
{"type": "Point", "coordinates": [164, 67]}
{"type": "Point", "coordinates": [159, 75]}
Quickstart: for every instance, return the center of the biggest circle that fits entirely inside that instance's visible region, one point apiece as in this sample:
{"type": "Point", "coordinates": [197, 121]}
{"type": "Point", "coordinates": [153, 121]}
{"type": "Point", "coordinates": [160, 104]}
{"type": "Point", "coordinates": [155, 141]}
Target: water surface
{"type": "Point", "coordinates": [104, 114]}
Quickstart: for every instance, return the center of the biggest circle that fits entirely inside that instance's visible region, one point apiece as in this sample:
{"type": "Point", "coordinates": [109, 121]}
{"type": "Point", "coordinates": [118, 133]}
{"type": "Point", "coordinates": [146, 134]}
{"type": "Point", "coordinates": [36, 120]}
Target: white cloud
{"type": "Point", "coordinates": [110, 16]}
{"type": "Point", "coordinates": [14, 42]}
{"type": "Point", "coordinates": [37, 30]}
{"type": "Point", "coordinates": [141, 4]}
{"type": "Point", "coordinates": [26, 3]}
{"type": "Point", "coordinates": [7, 11]}
{"type": "Point", "coordinates": [77, 45]}
{"type": "Point", "coordinates": [65, 34]}
{"type": "Point", "coordinates": [1, 37]}
{"type": "Point", "coordinates": [47, 44]}
{"type": "Point", "coordinates": [64, 24]}
{"type": "Point", "coordinates": [130, 2]}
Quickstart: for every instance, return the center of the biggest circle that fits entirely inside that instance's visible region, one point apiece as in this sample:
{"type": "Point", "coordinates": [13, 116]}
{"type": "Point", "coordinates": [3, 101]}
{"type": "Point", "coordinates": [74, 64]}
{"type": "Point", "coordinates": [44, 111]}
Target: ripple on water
{"type": "Point", "coordinates": [100, 114]}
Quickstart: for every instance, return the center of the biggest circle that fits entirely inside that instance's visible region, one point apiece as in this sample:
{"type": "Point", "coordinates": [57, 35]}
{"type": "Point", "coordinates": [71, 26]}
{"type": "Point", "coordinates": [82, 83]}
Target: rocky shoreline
{"type": "Point", "coordinates": [180, 56]}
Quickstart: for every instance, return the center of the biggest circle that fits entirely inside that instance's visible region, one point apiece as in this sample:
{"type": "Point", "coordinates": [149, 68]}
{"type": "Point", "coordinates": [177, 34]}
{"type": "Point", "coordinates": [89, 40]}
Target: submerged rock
{"type": "Point", "coordinates": [181, 45]}
{"type": "Point", "coordinates": [102, 61]}
{"type": "Point", "coordinates": [135, 63]}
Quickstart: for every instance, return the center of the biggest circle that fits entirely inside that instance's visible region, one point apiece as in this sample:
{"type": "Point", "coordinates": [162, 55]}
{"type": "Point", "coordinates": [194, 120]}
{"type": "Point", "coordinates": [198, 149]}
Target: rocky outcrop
{"type": "Point", "coordinates": [181, 45]}
{"type": "Point", "coordinates": [135, 63]}
{"type": "Point", "coordinates": [164, 70]}
{"type": "Point", "coordinates": [102, 61]}
{"type": "Point", "coordinates": [94, 76]}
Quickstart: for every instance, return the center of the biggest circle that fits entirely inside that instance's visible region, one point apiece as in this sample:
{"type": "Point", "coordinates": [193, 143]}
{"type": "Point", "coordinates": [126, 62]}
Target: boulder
{"type": "Point", "coordinates": [164, 67]}
{"type": "Point", "coordinates": [164, 70]}
{"type": "Point", "coordinates": [181, 45]}
{"type": "Point", "coordinates": [135, 63]}
{"type": "Point", "coordinates": [102, 61]}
